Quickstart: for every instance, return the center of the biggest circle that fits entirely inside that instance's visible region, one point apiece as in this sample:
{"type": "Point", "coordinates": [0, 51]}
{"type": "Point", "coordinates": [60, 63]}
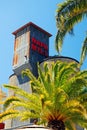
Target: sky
{"type": "Point", "coordinates": [16, 13]}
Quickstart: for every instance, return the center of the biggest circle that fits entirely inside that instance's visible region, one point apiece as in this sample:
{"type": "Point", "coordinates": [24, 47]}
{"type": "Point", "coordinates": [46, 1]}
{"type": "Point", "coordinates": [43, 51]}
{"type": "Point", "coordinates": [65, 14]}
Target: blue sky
{"type": "Point", "coordinates": [16, 13]}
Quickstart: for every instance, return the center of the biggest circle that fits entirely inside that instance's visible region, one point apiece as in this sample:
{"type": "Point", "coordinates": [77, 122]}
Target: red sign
{"type": "Point", "coordinates": [39, 47]}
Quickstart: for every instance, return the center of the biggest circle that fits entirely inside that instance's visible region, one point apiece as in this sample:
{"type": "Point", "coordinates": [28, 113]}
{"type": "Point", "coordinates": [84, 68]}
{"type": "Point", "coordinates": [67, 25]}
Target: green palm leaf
{"type": "Point", "coordinates": [69, 13]}
{"type": "Point", "coordinates": [83, 51]}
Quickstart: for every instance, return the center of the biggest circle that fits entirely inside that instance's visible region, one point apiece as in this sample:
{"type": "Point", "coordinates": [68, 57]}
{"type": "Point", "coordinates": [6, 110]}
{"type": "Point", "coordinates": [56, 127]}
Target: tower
{"type": "Point", "coordinates": [31, 45]}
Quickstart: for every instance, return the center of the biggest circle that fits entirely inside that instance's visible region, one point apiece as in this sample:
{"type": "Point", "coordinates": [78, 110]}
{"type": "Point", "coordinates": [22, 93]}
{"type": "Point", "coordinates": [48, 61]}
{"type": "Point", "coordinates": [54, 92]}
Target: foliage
{"type": "Point", "coordinates": [57, 96]}
{"type": "Point", "coordinates": [84, 51]}
{"type": "Point", "coordinates": [69, 13]}
{"type": "Point", "coordinates": [2, 98]}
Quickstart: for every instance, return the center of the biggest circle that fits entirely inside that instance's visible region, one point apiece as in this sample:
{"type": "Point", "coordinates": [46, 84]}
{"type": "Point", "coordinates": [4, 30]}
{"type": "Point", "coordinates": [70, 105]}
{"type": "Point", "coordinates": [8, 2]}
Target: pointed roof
{"type": "Point", "coordinates": [34, 25]}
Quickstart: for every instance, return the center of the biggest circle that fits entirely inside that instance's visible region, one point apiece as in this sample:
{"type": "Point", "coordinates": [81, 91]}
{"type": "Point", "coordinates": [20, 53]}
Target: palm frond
{"type": "Point", "coordinates": [70, 125]}
{"type": "Point", "coordinates": [69, 13]}
{"type": "Point", "coordinates": [8, 115]}
{"type": "Point", "coordinates": [83, 51]}
{"type": "Point", "coordinates": [20, 92]}
{"type": "Point", "coordinates": [59, 40]}
{"type": "Point", "coordinates": [9, 100]}
{"type": "Point", "coordinates": [25, 115]}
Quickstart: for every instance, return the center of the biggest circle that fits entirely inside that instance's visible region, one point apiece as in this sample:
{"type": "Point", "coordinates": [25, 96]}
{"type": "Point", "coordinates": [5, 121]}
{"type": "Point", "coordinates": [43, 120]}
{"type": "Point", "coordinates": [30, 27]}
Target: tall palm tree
{"type": "Point", "coordinates": [69, 13]}
{"type": "Point", "coordinates": [56, 100]}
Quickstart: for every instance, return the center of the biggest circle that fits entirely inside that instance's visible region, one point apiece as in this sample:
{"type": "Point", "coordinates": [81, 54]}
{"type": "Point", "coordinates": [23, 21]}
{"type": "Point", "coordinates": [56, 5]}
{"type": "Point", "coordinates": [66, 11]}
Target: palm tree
{"type": "Point", "coordinates": [56, 100]}
{"type": "Point", "coordinates": [69, 13]}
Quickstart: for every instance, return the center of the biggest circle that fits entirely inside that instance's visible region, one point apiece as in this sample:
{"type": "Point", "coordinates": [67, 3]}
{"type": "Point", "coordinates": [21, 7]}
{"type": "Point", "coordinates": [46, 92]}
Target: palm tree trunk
{"type": "Point", "coordinates": [56, 125]}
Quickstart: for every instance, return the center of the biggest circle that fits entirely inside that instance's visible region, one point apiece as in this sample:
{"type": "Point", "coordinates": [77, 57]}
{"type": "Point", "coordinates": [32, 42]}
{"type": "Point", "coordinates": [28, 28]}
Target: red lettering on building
{"type": "Point", "coordinates": [39, 47]}
{"type": "Point", "coordinates": [33, 47]}
{"type": "Point", "coordinates": [34, 40]}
